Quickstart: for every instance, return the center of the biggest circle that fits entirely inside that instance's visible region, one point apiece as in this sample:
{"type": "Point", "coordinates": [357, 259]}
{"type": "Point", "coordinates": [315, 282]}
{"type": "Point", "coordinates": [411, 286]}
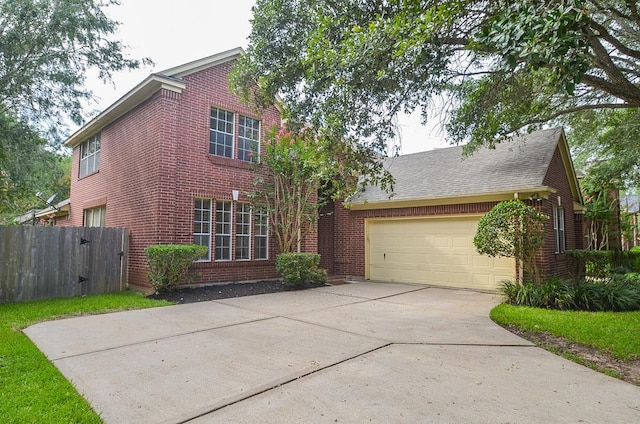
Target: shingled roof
{"type": "Point", "coordinates": [515, 166]}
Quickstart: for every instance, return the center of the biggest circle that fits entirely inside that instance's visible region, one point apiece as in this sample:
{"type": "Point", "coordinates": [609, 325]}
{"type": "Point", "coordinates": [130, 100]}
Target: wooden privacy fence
{"type": "Point", "coordinates": [47, 262]}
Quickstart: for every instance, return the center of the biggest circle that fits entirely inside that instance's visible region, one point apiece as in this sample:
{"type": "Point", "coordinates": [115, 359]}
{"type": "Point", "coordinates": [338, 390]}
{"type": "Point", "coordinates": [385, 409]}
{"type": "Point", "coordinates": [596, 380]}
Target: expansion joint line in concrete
{"type": "Point", "coordinates": [202, 330]}
{"type": "Point", "coordinates": [460, 344]}
{"type": "Point", "coordinates": [282, 383]}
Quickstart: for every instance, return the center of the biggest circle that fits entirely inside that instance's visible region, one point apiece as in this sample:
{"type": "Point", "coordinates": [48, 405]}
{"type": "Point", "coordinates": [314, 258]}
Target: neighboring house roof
{"type": "Point", "coordinates": [170, 79]}
{"type": "Point", "coordinates": [61, 209]}
{"type": "Point", "coordinates": [444, 176]}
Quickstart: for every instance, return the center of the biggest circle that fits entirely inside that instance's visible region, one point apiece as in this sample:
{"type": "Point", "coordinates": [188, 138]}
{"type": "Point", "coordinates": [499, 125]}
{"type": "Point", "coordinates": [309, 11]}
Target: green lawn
{"type": "Point", "coordinates": [617, 333]}
{"type": "Point", "coordinates": [31, 388]}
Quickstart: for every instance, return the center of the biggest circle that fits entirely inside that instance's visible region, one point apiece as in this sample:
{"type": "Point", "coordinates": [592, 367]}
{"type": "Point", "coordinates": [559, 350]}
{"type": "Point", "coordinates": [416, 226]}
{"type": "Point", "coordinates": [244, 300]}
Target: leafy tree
{"type": "Point", "coordinates": [46, 49]}
{"type": "Point", "coordinates": [607, 154]}
{"type": "Point", "coordinates": [512, 229]}
{"type": "Point", "coordinates": [27, 166]}
{"type": "Point", "coordinates": [351, 66]}
{"type": "Point", "coordinates": [291, 171]}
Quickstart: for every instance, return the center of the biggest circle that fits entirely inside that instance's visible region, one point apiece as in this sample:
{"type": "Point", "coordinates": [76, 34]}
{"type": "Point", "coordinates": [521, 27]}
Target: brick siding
{"type": "Point", "coordinates": [342, 238]}
{"type": "Point", "coordinates": [155, 161]}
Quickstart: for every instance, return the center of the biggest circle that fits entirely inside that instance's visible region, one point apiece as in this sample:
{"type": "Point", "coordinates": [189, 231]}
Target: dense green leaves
{"type": "Point", "coordinates": [351, 67]}
{"type": "Point", "coordinates": [46, 49]}
{"type": "Point", "coordinates": [170, 264]}
{"type": "Point", "coordinates": [512, 229]}
{"type": "Point", "coordinates": [27, 166]}
{"type": "Point", "coordinates": [298, 269]}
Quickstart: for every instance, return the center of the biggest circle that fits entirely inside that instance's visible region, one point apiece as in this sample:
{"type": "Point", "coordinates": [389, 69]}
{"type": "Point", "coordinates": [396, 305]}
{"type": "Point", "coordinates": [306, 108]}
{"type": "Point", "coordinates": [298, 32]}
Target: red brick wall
{"type": "Point", "coordinates": [550, 262]}
{"type": "Point", "coordinates": [347, 241]}
{"type": "Point", "coordinates": [155, 161]}
{"type": "Point", "coordinates": [343, 249]}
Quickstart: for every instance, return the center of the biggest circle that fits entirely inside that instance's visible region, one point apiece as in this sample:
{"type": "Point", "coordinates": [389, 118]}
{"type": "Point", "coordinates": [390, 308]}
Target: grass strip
{"type": "Point", "coordinates": [32, 389]}
{"type": "Point", "coordinates": [617, 333]}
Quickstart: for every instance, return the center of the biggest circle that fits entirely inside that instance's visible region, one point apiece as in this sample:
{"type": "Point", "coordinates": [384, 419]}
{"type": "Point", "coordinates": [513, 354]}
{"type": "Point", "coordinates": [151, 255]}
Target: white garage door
{"type": "Point", "coordinates": [437, 251]}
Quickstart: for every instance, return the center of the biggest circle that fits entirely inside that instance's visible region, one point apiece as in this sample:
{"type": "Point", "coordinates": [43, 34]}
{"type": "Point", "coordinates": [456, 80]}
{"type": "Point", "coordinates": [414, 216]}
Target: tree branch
{"type": "Point", "coordinates": [604, 33]}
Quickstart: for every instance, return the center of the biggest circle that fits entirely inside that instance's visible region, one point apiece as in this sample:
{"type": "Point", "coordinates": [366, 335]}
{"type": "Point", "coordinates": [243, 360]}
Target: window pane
{"type": "Point", "coordinates": [248, 139]}
{"type": "Point", "coordinates": [202, 226]}
{"type": "Point", "coordinates": [223, 231]}
{"type": "Point", "coordinates": [261, 250]}
{"type": "Point", "coordinates": [221, 133]}
{"type": "Point", "coordinates": [90, 156]}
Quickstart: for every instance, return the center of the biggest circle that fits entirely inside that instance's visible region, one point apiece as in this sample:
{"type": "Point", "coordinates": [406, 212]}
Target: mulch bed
{"type": "Point", "coordinates": [225, 291]}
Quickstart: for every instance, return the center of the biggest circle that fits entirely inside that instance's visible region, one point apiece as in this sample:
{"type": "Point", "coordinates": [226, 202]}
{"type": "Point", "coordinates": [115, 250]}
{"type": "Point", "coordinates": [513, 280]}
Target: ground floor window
{"type": "Point", "coordinates": [95, 217]}
{"type": "Point", "coordinates": [240, 230]}
{"type": "Point", "coordinates": [558, 228]}
{"type": "Point", "coordinates": [223, 231]}
{"type": "Point", "coordinates": [243, 231]}
{"type": "Point", "coordinates": [261, 234]}
{"type": "Point", "coordinates": [202, 226]}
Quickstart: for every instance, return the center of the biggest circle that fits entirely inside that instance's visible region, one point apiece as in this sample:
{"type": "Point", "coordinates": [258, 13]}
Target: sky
{"type": "Point", "coordinates": [172, 33]}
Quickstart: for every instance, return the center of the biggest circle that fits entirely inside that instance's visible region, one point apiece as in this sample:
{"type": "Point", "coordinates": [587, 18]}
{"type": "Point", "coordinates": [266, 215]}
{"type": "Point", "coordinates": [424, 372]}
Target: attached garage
{"type": "Point", "coordinates": [436, 251]}
{"type": "Point", "coordinates": [422, 232]}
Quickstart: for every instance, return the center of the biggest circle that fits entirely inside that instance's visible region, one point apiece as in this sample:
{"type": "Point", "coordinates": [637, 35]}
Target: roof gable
{"type": "Point", "coordinates": [445, 176]}
{"type": "Point", "coordinates": [170, 79]}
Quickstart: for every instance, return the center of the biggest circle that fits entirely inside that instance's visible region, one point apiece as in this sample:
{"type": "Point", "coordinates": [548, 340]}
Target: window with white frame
{"type": "Point", "coordinates": [558, 229]}
{"type": "Point", "coordinates": [202, 226]}
{"type": "Point", "coordinates": [221, 133]}
{"type": "Point", "coordinates": [95, 217]}
{"type": "Point", "coordinates": [90, 156]}
{"type": "Point", "coordinates": [223, 231]}
{"type": "Point", "coordinates": [248, 139]}
{"type": "Point", "coordinates": [261, 238]}
{"type": "Point", "coordinates": [243, 231]}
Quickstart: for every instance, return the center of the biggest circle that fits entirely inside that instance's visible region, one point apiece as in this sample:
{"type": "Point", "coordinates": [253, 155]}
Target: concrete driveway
{"type": "Point", "coordinates": [354, 353]}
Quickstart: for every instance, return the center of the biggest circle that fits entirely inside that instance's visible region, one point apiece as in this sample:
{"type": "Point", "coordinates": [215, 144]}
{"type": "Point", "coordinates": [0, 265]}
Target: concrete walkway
{"type": "Point", "coordinates": [355, 353]}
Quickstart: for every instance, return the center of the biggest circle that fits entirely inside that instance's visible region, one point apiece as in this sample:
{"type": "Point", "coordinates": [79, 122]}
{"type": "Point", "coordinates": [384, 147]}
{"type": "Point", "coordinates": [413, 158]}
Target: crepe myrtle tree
{"type": "Point", "coordinates": [300, 170]}
{"type": "Point", "coordinates": [291, 171]}
{"type": "Point", "coordinates": [512, 229]}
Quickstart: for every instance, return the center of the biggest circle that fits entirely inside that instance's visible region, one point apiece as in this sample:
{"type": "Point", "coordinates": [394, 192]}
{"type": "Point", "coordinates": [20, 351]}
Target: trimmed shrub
{"type": "Point", "coordinates": [300, 268]}
{"type": "Point", "coordinates": [170, 264]}
{"type": "Point", "coordinates": [616, 293]}
{"type": "Point", "coordinates": [601, 263]}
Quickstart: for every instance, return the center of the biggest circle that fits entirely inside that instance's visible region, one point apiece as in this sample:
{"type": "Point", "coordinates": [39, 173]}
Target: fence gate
{"type": "Point", "coordinates": [47, 262]}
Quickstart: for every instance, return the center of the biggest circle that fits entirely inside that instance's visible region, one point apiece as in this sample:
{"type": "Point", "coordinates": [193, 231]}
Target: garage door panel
{"type": "Point", "coordinates": [432, 251]}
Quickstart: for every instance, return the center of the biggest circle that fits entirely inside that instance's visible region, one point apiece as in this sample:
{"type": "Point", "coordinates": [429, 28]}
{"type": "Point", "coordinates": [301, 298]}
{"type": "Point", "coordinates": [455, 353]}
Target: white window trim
{"type": "Point", "coordinates": [89, 215]}
{"type": "Point", "coordinates": [265, 236]}
{"type": "Point", "coordinates": [230, 234]}
{"type": "Point", "coordinates": [248, 235]}
{"type": "Point", "coordinates": [258, 141]}
{"type": "Point", "coordinates": [560, 240]}
{"type": "Point", "coordinates": [233, 132]}
{"type": "Point", "coordinates": [91, 157]}
{"type": "Point", "coordinates": [208, 258]}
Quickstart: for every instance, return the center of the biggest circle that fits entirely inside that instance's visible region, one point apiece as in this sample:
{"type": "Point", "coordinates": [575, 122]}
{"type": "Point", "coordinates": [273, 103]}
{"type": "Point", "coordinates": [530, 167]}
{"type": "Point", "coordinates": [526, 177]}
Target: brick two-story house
{"type": "Point", "coordinates": [170, 161]}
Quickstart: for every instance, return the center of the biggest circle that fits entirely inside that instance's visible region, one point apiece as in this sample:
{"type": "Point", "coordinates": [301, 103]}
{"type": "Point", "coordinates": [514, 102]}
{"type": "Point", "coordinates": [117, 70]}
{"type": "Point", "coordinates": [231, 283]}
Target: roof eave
{"type": "Point", "coordinates": [541, 192]}
{"type": "Point", "coordinates": [204, 63]}
{"type": "Point", "coordinates": [140, 93]}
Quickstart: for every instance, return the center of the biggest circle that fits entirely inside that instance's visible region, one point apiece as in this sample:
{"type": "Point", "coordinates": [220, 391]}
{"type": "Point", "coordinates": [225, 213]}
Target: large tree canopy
{"type": "Point", "coordinates": [351, 66]}
{"type": "Point", "coordinates": [46, 49]}
{"type": "Point", "coordinates": [26, 167]}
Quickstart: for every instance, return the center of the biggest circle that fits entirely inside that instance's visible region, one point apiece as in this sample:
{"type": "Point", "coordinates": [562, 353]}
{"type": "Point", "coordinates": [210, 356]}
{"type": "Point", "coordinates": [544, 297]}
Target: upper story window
{"type": "Point", "coordinates": [90, 156]}
{"type": "Point", "coordinates": [222, 136]}
{"type": "Point", "coordinates": [248, 139]}
{"type": "Point", "coordinates": [221, 133]}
